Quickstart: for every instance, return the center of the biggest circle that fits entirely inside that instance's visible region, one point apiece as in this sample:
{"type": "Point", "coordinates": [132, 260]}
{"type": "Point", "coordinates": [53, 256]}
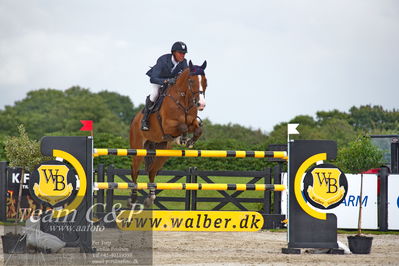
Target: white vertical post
{"type": "Point", "coordinates": [291, 129]}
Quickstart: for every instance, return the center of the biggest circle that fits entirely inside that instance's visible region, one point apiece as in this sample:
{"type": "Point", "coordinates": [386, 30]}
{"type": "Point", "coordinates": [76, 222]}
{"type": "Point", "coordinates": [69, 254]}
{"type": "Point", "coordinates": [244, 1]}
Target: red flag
{"type": "Point", "coordinates": [87, 125]}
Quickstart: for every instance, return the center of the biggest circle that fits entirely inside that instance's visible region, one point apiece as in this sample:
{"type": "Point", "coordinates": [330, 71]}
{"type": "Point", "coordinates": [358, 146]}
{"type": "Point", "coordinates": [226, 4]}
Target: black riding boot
{"type": "Point", "coordinates": [145, 125]}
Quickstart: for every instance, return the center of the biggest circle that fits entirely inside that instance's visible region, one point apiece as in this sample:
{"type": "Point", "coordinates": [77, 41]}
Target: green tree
{"type": "Point", "coordinates": [323, 116]}
{"type": "Point", "coordinates": [279, 134]}
{"type": "Point", "coordinates": [368, 118]}
{"type": "Point", "coordinates": [24, 153]}
{"type": "Point", "coordinates": [2, 148]}
{"type": "Point", "coordinates": [359, 156]}
{"type": "Point", "coordinates": [107, 140]}
{"type": "Point", "coordinates": [54, 112]}
{"type": "Point", "coordinates": [120, 105]}
{"type": "Point", "coordinates": [232, 131]}
{"type": "Point", "coordinates": [339, 130]}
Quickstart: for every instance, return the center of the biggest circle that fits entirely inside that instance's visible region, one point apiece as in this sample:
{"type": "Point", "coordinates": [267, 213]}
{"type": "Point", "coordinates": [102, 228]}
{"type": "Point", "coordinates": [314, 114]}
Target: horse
{"type": "Point", "coordinates": [176, 118]}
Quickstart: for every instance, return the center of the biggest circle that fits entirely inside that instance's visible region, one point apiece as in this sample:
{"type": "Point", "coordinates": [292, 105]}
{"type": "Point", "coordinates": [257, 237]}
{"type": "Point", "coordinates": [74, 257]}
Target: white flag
{"type": "Point", "coordinates": [292, 129]}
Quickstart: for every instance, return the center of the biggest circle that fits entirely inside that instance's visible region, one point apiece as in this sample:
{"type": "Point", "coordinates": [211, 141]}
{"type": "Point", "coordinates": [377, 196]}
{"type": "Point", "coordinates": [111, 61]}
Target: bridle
{"type": "Point", "coordinates": [185, 105]}
{"type": "Point", "coordinates": [195, 100]}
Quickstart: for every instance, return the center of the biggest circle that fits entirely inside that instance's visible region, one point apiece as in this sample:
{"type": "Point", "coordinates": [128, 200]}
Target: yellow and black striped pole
{"type": "Point", "coordinates": [191, 153]}
{"type": "Point", "coordinates": [188, 186]}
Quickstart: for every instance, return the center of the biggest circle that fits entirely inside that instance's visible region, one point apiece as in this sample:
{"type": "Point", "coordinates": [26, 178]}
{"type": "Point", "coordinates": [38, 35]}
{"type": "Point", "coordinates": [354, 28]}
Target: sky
{"type": "Point", "coordinates": [268, 61]}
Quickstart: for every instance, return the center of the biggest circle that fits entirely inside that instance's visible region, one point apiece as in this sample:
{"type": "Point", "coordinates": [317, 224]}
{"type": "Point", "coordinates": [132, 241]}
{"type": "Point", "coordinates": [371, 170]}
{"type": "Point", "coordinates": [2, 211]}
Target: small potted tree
{"type": "Point", "coordinates": [360, 156]}
{"type": "Point", "coordinates": [23, 153]}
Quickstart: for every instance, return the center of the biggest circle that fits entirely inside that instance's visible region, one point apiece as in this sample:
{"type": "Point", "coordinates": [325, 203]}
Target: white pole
{"type": "Point", "coordinates": [291, 129]}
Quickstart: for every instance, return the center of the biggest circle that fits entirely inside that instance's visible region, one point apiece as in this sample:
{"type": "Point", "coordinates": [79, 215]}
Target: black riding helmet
{"type": "Point", "coordinates": [180, 47]}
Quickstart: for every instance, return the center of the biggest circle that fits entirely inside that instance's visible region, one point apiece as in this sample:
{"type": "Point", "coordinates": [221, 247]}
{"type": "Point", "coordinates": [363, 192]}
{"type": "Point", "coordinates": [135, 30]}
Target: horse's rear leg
{"type": "Point", "coordinates": [152, 172]}
{"type": "Point", "coordinates": [136, 142]}
{"type": "Point", "coordinates": [136, 161]}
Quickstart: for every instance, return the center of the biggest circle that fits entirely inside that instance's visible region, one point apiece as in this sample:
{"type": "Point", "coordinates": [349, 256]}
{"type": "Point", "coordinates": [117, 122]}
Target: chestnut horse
{"type": "Point", "coordinates": [176, 118]}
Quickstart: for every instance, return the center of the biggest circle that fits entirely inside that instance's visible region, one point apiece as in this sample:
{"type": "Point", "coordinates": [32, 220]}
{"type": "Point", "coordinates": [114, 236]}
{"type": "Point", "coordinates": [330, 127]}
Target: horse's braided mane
{"type": "Point", "coordinates": [184, 74]}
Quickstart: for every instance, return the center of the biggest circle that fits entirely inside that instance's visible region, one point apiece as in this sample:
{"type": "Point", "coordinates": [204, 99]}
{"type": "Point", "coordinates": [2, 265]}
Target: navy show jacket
{"type": "Point", "coordinates": [163, 69]}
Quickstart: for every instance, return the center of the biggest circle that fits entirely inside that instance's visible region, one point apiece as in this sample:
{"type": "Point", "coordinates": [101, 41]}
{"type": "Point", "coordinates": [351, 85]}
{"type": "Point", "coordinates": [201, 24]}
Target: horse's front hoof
{"type": "Point", "coordinates": [182, 141]}
{"type": "Point", "coordinates": [190, 144]}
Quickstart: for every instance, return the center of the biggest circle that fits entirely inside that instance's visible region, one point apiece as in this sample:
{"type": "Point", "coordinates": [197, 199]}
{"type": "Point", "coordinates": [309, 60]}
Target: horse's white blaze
{"type": "Point", "coordinates": [201, 96]}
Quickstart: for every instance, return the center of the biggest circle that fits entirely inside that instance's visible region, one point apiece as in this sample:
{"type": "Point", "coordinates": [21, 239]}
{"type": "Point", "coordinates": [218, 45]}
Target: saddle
{"type": "Point", "coordinates": [158, 102]}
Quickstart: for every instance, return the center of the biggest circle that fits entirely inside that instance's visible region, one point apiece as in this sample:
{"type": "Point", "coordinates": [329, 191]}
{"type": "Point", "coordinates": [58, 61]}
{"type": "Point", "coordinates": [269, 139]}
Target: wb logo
{"type": "Point", "coordinates": [51, 183]}
{"type": "Point", "coordinates": [326, 180]}
{"type": "Point", "coordinates": [325, 186]}
{"type": "Point", "coordinates": [57, 179]}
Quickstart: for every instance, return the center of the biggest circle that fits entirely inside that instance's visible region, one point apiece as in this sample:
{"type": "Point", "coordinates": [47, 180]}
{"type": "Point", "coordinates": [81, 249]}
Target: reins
{"type": "Point", "coordinates": [183, 94]}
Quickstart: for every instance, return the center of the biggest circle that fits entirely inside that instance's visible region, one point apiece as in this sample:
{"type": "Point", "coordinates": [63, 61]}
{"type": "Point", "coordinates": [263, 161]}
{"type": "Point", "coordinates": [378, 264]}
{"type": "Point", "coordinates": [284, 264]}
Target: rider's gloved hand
{"type": "Point", "coordinates": [170, 81]}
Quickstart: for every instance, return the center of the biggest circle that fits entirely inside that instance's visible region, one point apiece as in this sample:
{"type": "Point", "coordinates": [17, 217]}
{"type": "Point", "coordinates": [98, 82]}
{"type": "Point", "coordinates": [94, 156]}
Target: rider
{"type": "Point", "coordinates": [164, 73]}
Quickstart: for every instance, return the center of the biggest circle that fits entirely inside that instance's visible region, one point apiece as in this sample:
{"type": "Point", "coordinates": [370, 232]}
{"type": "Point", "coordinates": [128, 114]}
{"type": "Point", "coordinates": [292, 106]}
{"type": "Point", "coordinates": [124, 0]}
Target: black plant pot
{"type": "Point", "coordinates": [14, 244]}
{"type": "Point", "coordinates": [360, 244]}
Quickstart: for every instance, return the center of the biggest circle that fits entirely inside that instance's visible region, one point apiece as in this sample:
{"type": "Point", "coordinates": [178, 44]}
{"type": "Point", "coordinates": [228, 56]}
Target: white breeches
{"type": "Point", "coordinates": [155, 92]}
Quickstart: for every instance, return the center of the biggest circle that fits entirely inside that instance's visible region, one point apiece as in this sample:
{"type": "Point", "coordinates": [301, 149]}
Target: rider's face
{"type": "Point", "coordinates": [179, 56]}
